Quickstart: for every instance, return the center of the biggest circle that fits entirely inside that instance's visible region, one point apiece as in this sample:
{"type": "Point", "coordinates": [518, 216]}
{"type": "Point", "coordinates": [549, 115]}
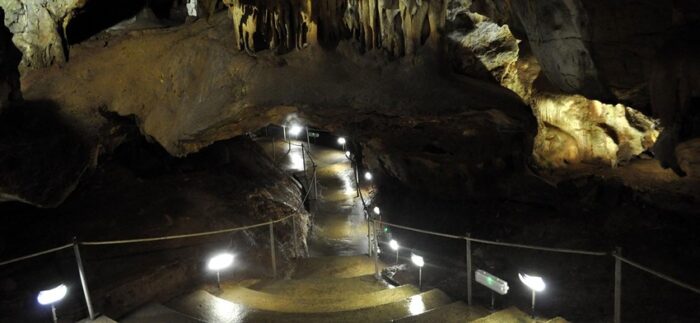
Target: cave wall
{"type": "Point", "coordinates": [10, 57]}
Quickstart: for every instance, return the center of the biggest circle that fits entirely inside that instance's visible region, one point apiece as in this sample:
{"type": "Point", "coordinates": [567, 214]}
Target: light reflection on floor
{"type": "Point", "coordinates": [416, 305]}
{"type": "Point", "coordinates": [339, 225]}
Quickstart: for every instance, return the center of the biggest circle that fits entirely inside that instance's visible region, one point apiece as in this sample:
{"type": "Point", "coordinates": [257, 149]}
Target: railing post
{"type": "Point", "coordinates": [315, 184]}
{"type": "Point", "coordinates": [294, 232]}
{"type": "Point", "coordinates": [375, 246]}
{"type": "Point", "coordinates": [308, 141]}
{"type": "Point", "coordinates": [369, 235]}
{"type": "Point", "coordinates": [274, 158]}
{"type": "Point", "coordinates": [618, 286]}
{"type": "Point", "coordinates": [83, 281]}
{"type": "Point", "coordinates": [272, 250]}
{"type": "Point", "coordinates": [469, 269]}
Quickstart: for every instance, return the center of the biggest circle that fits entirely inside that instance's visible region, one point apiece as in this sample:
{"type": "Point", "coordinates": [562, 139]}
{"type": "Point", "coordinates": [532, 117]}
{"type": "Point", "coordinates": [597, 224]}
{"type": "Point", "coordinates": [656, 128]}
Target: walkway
{"type": "Point", "coordinates": [335, 284]}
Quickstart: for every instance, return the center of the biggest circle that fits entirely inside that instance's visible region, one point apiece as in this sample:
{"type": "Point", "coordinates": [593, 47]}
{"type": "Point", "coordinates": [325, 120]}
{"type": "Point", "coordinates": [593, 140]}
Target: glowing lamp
{"type": "Point", "coordinates": [341, 141]}
{"type": "Point", "coordinates": [417, 260]}
{"type": "Point", "coordinates": [295, 130]}
{"type": "Point", "coordinates": [368, 176]}
{"type": "Point", "coordinates": [536, 284]}
{"type": "Point", "coordinates": [533, 282]}
{"type": "Point", "coordinates": [50, 296]}
{"type": "Point", "coordinates": [220, 262]}
{"type": "Point", "coordinates": [394, 245]}
{"type": "Point", "coordinates": [376, 210]}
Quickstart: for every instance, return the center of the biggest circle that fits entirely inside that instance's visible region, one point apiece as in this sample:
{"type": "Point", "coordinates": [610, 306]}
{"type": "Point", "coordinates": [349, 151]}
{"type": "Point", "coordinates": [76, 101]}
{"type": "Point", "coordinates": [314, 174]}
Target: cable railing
{"type": "Point", "coordinates": [616, 255]}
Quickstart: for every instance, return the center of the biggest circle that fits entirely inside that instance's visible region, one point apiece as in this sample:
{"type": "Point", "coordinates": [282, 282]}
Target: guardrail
{"type": "Point", "coordinates": [76, 245]}
{"type": "Point", "coordinates": [616, 255]}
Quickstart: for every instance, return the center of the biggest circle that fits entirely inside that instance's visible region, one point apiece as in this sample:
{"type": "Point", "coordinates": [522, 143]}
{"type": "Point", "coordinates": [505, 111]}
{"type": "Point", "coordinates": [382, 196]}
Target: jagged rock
{"type": "Point", "coordinates": [36, 25]}
{"type": "Point", "coordinates": [573, 129]}
{"type": "Point", "coordinates": [207, 91]}
{"type": "Point", "coordinates": [488, 51]}
{"type": "Point", "coordinates": [9, 75]}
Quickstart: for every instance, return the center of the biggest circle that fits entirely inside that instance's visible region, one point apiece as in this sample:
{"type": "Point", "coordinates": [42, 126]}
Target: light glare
{"type": "Point", "coordinates": [53, 295]}
{"type": "Point", "coordinates": [376, 210]}
{"type": "Point", "coordinates": [533, 282]}
{"type": "Point", "coordinates": [368, 176]}
{"type": "Point", "coordinates": [417, 260]}
{"type": "Point", "coordinates": [295, 130]}
{"type": "Point", "coordinates": [394, 245]}
{"type": "Point", "coordinates": [341, 141]}
{"type": "Point", "coordinates": [220, 262]}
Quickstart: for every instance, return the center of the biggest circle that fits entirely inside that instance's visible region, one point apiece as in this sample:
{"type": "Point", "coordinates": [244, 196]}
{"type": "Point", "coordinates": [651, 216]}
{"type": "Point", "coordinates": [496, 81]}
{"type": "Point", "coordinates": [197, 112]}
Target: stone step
{"type": "Point", "coordinates": [208, 308]}
{"type": "Point", "coordinates": [335, 302]}
{"type": "Point", "coordinates": [413, 305]}
{"type": "Point", "coordinates": [453, 312]}
{"type": "Point", "coordinates": [157, 313]}
{"type": "Point", "coordinates": [334, 267]}
{"type": "Point", "coordinates": [514, 315]}
{"type": "Point", "coordinates": [321, 287]}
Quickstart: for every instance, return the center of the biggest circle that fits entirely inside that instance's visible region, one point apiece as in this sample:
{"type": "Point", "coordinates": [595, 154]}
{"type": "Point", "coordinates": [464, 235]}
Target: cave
{"type": "Point", "coordinates": [349, 160]}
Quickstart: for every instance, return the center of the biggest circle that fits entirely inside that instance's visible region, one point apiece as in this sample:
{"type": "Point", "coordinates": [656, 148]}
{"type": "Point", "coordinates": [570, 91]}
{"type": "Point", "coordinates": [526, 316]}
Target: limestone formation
{"type": "Point", "coordinates": [9, 75]}
{"type": "Point", "coordinates": [397, 26]}
{"type": "Point", "coordinates": [37, 26]}
{"type": "Point", "coordinates": [573, 129]}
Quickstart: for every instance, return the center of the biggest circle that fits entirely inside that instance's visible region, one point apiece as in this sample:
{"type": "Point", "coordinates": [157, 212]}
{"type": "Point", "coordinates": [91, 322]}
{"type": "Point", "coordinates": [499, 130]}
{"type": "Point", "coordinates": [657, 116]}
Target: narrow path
{"type": "Point", "coordinates": [339, 225]}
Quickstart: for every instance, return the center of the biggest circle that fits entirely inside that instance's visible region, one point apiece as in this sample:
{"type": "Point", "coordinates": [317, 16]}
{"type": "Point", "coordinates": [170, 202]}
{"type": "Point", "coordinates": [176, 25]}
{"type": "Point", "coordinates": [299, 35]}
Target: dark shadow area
{"type": "Point", "coordinates": [10, 58]}
{"type": "Point", "coordinates": [42, 157]}
{"type": "Point", "coordinates": [97, 16]}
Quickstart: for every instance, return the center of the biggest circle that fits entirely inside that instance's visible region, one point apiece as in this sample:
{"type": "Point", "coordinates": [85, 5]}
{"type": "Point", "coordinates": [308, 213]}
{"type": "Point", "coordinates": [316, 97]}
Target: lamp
{"type": "Point", "coordinates": [51, 297]}
{"type": "Point", "coordinates": [218, 263]}
{"type": "Point", "coordinates": [535, 283]}
{"type": "Point", "coordinates": [395, 246]}
{"type": "Point", "coordinates": [418, 261]}
{"type": "Point", "coordinates": [368, 176]}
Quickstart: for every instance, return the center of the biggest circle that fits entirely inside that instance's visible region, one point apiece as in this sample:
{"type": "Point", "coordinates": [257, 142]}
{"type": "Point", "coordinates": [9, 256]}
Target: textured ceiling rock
{"type": "Point", "coordinates": [487, 51]}
{"type": "Point", "coordinates": [398, 26]}
{"type": "Point", "coordinates": [190, 86]}
{"type": "Point", "coordinates": [36, 25]}
{"type": "Point", "coordinates": [574, 129]}
{"type": "Point", "coordinates": [597, 48]}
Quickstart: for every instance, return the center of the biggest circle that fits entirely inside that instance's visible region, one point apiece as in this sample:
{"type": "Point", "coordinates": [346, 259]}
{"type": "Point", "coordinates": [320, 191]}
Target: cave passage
{"type": "Point", "coordinates": [339, 227]}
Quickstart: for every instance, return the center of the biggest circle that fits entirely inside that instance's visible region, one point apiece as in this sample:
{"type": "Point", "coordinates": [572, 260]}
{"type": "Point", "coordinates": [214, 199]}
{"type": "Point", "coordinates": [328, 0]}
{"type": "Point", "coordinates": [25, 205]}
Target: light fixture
{"type": "Point", "coordinates": [418, 261]}
{"type": "Point", "coordinates": [295, 129]}
{"type": "Point", "coordinates": [342, 141]}
{"type": "Point", "coordinates": [395, 246]}
{"type": "Point", "coordinates": [535, 283]}
{"type": "Point", "coordinates": [51, 297]}
{"type": "Point", "coordinates": [376, 210]}
{"type": "Point", "coordinates": [368, 176]}
{"type": "Point", "coordinates": [218, 263]}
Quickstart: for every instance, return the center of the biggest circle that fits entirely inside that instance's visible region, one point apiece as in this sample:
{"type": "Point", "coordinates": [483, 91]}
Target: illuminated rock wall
{"type": "Point", "coordinates": [398, 26]}
{"type": "Point", "coordinates": [573, 129]}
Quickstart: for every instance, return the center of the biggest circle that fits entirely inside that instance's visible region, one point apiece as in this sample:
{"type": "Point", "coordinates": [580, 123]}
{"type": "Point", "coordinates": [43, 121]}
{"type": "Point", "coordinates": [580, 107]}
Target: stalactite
{"type": "Point", "coordinates": [400, 27]}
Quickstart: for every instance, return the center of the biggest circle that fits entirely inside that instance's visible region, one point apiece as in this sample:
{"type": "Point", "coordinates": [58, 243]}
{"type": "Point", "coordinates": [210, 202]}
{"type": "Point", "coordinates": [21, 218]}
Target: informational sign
{"type": "Point", "coordinates": [494, 283]}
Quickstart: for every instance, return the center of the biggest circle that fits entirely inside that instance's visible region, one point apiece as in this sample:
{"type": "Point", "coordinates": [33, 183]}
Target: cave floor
{"type": "Point", "coordinates": [339, 227]}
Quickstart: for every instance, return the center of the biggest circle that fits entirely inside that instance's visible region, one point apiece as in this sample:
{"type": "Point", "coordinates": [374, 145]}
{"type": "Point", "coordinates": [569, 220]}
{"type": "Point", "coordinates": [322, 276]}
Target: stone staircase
{"type": "Point", "coordinates": [327, 289]}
